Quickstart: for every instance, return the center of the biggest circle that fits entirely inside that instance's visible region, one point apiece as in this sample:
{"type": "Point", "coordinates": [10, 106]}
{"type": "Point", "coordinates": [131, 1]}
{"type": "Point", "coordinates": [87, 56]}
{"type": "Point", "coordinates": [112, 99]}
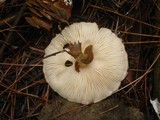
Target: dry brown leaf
{"type": "Point", "coordinates": [34, 11]}
{"type": "Point", "coordinates": [42, 23]}
{"type": "Point", "coordinates": [31, 22]}
{"type": "Point", "coordinates": [47, 11]}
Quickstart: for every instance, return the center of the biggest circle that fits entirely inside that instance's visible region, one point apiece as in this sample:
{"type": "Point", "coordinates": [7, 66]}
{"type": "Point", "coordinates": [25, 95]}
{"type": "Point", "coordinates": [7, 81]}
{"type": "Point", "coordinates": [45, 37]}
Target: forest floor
{"type": "Point", "coordinates": [23, 88]}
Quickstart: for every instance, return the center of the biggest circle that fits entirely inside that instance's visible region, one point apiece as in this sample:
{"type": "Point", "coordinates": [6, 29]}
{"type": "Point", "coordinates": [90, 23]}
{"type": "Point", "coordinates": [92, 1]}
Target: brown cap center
{"type": "Point", "coordinates": [82, 59]}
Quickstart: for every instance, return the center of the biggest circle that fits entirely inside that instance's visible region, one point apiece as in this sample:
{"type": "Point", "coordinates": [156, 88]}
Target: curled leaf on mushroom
{"type": "Point", "coordinates": [88, 63]}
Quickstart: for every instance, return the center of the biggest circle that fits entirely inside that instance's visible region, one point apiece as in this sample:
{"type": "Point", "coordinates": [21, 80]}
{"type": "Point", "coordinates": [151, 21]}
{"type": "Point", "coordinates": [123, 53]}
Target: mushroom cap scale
{"type": "Point", "coordinates": [96, 80]}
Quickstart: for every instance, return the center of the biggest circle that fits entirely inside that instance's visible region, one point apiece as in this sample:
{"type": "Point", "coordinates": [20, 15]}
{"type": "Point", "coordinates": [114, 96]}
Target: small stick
{"type": "Point", "coordinates": [53, 54]}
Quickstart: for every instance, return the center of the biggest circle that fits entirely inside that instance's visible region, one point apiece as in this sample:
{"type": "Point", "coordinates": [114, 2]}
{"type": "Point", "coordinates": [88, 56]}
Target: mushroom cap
{"type": "Point", "coordinates": [97, 80]}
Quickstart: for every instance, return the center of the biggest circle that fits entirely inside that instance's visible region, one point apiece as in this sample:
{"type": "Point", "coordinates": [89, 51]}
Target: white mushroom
{"type": "Point", "coordinates": [93, 66]}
